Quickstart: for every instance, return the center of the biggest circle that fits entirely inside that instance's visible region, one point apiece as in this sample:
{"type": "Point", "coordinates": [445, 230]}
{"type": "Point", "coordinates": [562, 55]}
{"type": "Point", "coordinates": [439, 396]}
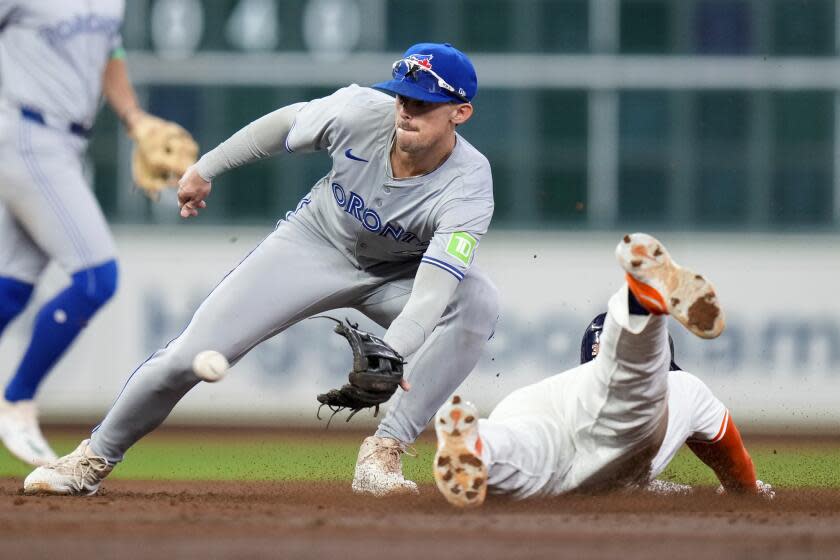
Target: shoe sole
{"type": "Point", "coordinates": [460, 474]}
{"type": "Point", "coordinates": [363, 490]}
{"type": "Point", "coordinates": [44, 489]}
{"type": "Point", "coordinates": [664, 287]}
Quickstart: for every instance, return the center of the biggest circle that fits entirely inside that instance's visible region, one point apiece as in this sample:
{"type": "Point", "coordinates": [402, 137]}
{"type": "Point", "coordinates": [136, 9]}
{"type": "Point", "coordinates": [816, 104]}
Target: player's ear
{"type": "Point", "coordinates": [462, 113]}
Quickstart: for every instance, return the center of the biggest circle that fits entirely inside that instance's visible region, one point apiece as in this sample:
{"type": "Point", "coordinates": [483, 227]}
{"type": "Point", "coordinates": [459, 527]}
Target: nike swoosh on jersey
{"type": "Point", "coordinates": [350, 155]}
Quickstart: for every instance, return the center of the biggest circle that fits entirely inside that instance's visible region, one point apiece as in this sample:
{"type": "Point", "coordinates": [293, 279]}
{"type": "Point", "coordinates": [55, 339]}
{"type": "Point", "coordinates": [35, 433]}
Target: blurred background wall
{"type": "Point", "coordinates": [675, 114]}
{"type": "Point", "coordinates": [711, 123]}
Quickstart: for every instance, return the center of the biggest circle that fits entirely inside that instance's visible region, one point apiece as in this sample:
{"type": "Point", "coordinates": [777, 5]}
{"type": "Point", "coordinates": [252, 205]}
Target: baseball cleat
{"type": "Point", "coordinates": [21, 435]}
{"type": "Point", "coordinates": [663, 287]}
{"type": "Point", "coordinates": [78, 474]}
{"type": "Point", "coordinates": [460, 474]}
{"type": "Point", "coordinates": [379, 469]}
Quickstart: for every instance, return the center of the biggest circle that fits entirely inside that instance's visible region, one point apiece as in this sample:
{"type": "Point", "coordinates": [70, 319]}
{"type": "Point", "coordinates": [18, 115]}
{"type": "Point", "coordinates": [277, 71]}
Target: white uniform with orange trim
{"type": "Point", "coordinates": [694, 414]}
{"type": "Point", "coordinates": [613, 422]}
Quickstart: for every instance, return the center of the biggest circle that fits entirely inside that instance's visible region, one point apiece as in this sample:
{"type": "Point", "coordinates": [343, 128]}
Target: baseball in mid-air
{"type": "Point", "coordinates": [210, 365]}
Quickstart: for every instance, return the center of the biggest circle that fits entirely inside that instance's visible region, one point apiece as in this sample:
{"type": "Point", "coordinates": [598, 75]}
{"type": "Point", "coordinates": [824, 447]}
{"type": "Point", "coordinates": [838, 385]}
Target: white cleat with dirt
{"type": "Point", "coordinates": [460, 473]}
{"type": "Point", "coordinates": [665, 288]}
{"type": "Point", "coordinates": [379, 469]}
{"type": "Point", "coordinates": [21, 434]}
{"type": "Point", "coordinates": [78, 474]}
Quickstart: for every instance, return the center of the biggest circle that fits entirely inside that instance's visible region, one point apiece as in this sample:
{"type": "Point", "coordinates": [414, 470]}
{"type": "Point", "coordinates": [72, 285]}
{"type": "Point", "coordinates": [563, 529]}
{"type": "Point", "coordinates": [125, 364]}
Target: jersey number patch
{"type": "Point", "coordinates": [461, 246]}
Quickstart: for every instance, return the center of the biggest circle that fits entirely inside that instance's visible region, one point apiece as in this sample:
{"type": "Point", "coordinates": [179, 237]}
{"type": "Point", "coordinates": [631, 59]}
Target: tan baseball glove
{"type": "Point", "coordinates": [163, 151]}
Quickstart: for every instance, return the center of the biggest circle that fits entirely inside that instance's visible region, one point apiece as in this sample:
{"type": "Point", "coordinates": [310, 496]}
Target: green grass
{"type": "Point", "coordinates": [171, 458]}
{"type": "Point", "coordinates": [275, 459]}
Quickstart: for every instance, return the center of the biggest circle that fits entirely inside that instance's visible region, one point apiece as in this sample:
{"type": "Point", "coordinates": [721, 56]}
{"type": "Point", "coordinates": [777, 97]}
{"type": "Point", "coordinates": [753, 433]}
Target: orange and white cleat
{"type": "Point", "coordinates": [663, 287]}
{"type": "Point", "coordinates": [460, 474]}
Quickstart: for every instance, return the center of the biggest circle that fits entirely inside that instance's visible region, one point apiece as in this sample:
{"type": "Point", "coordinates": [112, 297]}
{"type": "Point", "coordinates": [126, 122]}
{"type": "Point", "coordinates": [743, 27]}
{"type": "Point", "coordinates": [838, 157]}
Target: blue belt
{"type": "Point", "coordinates": [36, 116]}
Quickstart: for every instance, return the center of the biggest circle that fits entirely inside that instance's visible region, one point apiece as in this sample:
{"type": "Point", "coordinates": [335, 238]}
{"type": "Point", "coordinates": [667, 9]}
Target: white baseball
{"type": "Point", "coordinates": [210, 365]}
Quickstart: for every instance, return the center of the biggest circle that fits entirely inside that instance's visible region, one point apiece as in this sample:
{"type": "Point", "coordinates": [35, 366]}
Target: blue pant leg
{"type": "Point", "coordinates": [57, 325]}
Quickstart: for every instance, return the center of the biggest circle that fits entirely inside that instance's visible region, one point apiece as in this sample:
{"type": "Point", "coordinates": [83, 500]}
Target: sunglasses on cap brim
{"type": "Point", "coordinates": [408, 69]}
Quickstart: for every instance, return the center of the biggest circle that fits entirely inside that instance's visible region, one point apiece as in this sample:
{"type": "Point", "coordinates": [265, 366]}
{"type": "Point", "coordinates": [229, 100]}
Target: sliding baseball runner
{"type": "Point", "coordinates": [615, 421]}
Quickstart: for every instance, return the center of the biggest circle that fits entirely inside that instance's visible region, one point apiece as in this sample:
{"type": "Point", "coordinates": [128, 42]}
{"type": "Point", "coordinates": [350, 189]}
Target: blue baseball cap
{"type": "Point", "coordinates": [433, 72]}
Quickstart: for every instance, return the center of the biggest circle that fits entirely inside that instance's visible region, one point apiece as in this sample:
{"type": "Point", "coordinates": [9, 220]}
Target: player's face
{"type": "Point", "coordinates": [421, 125]}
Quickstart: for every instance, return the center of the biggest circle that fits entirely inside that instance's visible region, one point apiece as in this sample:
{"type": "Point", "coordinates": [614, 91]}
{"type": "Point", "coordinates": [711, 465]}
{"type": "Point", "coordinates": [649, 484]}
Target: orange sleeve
{"type": "Point", "coordinates": [728, 457]}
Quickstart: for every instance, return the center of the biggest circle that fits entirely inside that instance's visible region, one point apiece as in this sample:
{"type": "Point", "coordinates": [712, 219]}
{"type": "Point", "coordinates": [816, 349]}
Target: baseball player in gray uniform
{"type": "Point", "coordinates": [392, 230]}
{"type": "Point", "coordinates": [56, 59]}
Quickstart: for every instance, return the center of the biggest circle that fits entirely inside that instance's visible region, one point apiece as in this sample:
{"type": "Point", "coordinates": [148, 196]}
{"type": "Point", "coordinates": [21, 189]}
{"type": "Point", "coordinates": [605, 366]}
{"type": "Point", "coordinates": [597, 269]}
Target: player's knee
{"type": "Point", "coordinates": [176, 360]}
{"type": "Point", "coordinates": [14, 295]}
{"type": "Point", "coordinates": [97, 284]}
{"type": "Point", "coordinates": [177, 357]}
{"type": "Point", "coordinates": [481, 303]}
{"type": "Point", "coordinates": [486, 298]}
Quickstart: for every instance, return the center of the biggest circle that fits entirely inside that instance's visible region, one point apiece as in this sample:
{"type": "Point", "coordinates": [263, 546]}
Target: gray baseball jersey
{"type": "Point", "coordinates": [372, 217]}
{"type": "Point", "coordinates": [52, 53]}
{"type": "Point", "coordinates": [52, 57]}
{"type": "Point", "coordinates": [356, 240]}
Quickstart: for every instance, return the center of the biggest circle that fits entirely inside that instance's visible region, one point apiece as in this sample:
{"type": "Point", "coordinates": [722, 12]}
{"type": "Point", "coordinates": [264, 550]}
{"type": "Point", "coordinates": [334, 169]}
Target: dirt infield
{"type": "Point", "coordinates": [309, 520]}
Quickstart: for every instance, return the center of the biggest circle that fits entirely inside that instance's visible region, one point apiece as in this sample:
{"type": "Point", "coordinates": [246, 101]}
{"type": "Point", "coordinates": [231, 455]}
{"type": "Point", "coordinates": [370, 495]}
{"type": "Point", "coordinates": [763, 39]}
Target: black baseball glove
{"type": "Point", "coordinates": [376, 374]}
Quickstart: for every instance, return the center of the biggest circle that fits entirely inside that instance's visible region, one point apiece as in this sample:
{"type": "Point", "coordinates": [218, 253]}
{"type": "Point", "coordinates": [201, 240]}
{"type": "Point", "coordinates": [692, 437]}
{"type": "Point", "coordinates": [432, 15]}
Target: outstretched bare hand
{"type": "Point", "coordinates": [192, 190]}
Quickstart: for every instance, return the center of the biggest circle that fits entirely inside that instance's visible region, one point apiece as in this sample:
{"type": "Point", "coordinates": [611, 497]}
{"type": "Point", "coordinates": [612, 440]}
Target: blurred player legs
{"type": "Point", "coordinates": [58, 61]}
{"type": "Point", "coordinates": [47, 211]}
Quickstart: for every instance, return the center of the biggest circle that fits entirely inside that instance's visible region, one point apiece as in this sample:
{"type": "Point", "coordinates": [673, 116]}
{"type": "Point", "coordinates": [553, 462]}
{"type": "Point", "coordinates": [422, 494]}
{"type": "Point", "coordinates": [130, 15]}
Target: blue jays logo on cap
{"type": "Point", "coordinates": [433, 72]}
{"type": "Point", "coordinates": [424, 60]}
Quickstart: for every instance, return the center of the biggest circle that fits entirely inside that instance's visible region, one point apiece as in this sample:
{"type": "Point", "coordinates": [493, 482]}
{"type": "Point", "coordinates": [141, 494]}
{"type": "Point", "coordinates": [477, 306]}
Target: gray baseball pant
{"type": "Point", "coordinates": [294, 274]}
